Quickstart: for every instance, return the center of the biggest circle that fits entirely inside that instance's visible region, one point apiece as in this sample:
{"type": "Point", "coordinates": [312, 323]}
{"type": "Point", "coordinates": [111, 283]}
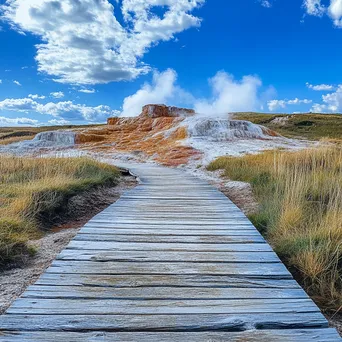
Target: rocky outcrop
{"type": "Point", "coordinates": [155, 111]}
{"type": "Point", "coordinates": [160, 111]}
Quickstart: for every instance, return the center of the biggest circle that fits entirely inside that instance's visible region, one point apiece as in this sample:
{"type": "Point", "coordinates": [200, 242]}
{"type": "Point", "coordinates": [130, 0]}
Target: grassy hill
{"type": "Point", "coordinates": [307, 126]}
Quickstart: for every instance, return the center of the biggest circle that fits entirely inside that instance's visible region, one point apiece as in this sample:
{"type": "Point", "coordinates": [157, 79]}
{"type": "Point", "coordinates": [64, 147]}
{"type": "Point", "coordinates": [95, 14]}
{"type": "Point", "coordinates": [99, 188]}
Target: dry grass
{"type": "Point", "coordinates": [33, 193]}
{"type": "Point", "coordinates": [300, 196]}
{"type": "Point", "coordinates": [308, 126]}
{"type": "Point", "coordinates": [11, 140]}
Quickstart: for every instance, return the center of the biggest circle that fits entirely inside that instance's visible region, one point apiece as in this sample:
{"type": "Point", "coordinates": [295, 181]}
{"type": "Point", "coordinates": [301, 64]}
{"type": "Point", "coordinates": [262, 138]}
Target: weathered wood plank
{"type": "Point", "coordinates": [200, 216]}
{"type": "Point", "coordinates": [237, 226]}
{"type": "Point", "coordinates": [89, 267]}
{"type": "Point", "coordinates": [159, 307]}
{"type": "Point", "coordinates": [124, 246]}
{"type": "Point", "coordinates": [152, 238]}
{"type": "Point", "coordinates": [316, 335]}
{"type": "Point", "coordinates": [172, 281]}
{"type": "Point", "coordinates": [140, 220]}
{"type": "Point", "coordinates": [150, 256]}
{"type": "Point", "coordinates": [168, 232]}
{"type": "Point", "coordinates": [74, 292]}
{"type": "Point", "coordinates": [187, 323]}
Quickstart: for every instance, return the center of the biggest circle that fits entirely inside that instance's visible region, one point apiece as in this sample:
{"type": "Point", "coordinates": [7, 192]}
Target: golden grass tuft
{"type": "Point", "coordinates": [34, 190]}
{"type": "Point", "coordinates": [300, 196]}
{"type": "Point", "coordinates": [11, 140]}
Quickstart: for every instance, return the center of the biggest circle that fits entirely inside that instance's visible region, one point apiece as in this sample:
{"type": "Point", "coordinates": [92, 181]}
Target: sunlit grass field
{"type": "Point", "coordinates": [306, 126]}
{"type": "Point", "coordinates": [34, 191]}
{"type": "Point", "coordinates": [300, 213]}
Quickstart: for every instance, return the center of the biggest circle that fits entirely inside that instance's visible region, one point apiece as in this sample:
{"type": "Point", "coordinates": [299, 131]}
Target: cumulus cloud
{"type": "Point", "coordinates": [266, 3]}
{"type": "Point", "coordinates": [18, 105]}
{"type": "Point", "coordinates": [87, 91]}
{"type": "Point", "coordinates": [320, 87]}
{"type": "Point", "coordinates": [36, 97]}
{"type": "Point", "coordinates": [60, 122]}
{"type": "Point", "coordinates": [69, 110]}
{"type": "Point", "coordinates": [281, 104]}
{"type": "Point", "coordinates": [84, 43]}
{"type": "Point", "coordinates": [314, 7]}
{"type": "Point", "coordinates": [230, 95]}
{"type": "Point", "coordinates": [57, 94]}
{"type": "Point", "coordinates": [162, 90]}
{"type": "Point", "coordinates": [318, 9]}
{"type": "Point", "coordinates": [17, 121]}
{"type": "Point", "coordinates": [0, 81]}
{"type": "Point", "coordinates": [62, 110]}
{"type": "Point", "coordinates": [335, 12]}
{"type": "Point", "coordinates": [331, 102]}
{"type": "Point", "coordinates": [17, 83]}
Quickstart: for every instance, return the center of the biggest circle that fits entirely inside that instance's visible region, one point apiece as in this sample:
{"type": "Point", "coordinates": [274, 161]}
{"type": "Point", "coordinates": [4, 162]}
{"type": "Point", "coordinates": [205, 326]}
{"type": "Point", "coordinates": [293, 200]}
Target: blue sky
{"type": "Point", "coordinates": [80, 62]}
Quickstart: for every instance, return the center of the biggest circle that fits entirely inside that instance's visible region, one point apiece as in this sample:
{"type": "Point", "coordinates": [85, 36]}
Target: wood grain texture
{"type": "Point", "coordinates": [166, 256]}
{"type": "Point", "coordinates": [316, 335]}
{"type": "Point", "coordinates": [171, 260]}
{"type": "Point", "coordinates": [186, 323]}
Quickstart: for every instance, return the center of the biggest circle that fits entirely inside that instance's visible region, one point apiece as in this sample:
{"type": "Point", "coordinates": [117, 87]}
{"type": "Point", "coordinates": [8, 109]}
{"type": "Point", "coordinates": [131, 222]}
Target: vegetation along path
{"type": "Point", "coordinates": [172, 260]}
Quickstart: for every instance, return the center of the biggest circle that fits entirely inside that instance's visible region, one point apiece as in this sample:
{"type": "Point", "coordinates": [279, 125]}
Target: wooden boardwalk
{"type": "Point", "coordinates": [172, 260]}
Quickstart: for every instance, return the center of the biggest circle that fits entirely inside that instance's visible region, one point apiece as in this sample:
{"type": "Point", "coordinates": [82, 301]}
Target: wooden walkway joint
{"type": "Point", "coordinates": [172, 260]}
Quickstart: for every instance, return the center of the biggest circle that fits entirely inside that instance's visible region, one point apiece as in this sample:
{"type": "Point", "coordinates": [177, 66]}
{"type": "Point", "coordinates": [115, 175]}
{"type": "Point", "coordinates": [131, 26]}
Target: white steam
{"type": "Point", "coordinates": [228, 95]}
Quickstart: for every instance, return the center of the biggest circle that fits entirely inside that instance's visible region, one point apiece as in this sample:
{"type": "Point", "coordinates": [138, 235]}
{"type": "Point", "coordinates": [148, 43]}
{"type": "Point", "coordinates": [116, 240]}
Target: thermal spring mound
{"type": "Point", "coordinates": [174, 136]}
{"type": "Point", "coordinates": [169, 135]}
{"type": "Point", "coordinates": [43, 140]}
{"type": "Point", "coordinates": [225, 129]}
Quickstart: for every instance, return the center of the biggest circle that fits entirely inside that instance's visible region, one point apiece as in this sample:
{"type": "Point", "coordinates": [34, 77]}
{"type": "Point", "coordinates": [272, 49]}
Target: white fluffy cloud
{"type": "Point", "coordinates": [162, 90]}
{"type": "Point", "coordinates": [230, 95]}
{"type": "Point", "coordinates": [57, 94]}
{"type": "Point", "coordinates": [18, 105]}
{"type": "Point", "coordinates": [331, 102]}
{"type": "Point", "coordinates": [60, 122]}
{"type": "Point", "coordinates": [84, 43]}
{"type": "Point", "coordinates": [318, 9]}
{"type": "Point", "coordinates": [17, 121]}
{"type": "Point", "coordinates": [87, 91]}
{"type": "Point", "coordinates": [281, 104]}
{"type": "Point", "coordinates": [314, 7]}
{"type": "Point", "coordinates": [265, 3]}
{"type": "Point", "coordinates": [17, 83]}
{"type": "Point", "coordinates": [0, 81]}
{"type": "Point", "coordinates": [69, 110]}
{"type": "Point", "coordinates": [36, 97]}
{"type": "Point", "coordinates": [335, 12]}
{"type": "Point", "coordinates": [320, 87]}
{"type": "Point", "coordinates": [61, 110]}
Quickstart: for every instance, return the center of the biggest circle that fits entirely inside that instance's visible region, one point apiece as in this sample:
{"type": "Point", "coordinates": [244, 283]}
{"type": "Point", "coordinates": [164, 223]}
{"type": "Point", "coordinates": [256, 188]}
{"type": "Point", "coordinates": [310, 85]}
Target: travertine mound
{"type": "Point", "coordinates": [169, 135]}
{"type": "Point", "coordinates": [159, 111]}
